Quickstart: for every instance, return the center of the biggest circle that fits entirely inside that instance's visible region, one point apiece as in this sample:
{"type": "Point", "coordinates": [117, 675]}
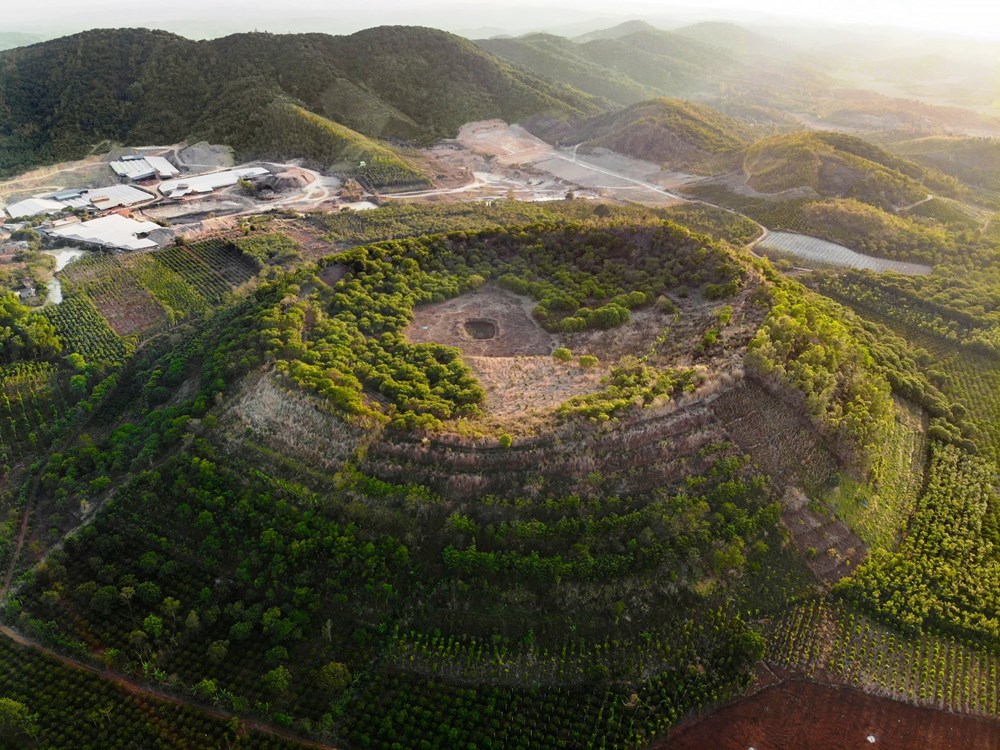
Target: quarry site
{"type": "Point", "coordinates": [161, 193]}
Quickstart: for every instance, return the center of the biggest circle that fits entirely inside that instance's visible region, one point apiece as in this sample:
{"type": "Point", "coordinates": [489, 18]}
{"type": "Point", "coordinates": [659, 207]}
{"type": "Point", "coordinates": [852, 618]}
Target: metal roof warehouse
{"type": "Point", "coordinates": [144, 167]}
{"type": "Point", "coordinates": [206, 183]}
{"type": "Point", "coordinates": [98, 199]}
{"type": "Point", "coordinates": [113, 231]}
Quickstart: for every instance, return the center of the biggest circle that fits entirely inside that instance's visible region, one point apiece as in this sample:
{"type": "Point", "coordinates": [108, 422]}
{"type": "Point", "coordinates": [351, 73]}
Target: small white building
{"type": "Point", "coordinates": [33, 207]}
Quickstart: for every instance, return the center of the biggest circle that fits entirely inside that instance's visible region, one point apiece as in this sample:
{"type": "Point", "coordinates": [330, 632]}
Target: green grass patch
{"type": "Point", "coordinates": [878, 510]}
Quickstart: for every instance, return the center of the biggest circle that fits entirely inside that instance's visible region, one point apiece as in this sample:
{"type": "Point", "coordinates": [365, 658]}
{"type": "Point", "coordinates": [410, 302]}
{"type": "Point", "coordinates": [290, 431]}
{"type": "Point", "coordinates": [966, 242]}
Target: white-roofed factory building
{"type": "Point", "coordinates": [91, 199]}
{"type": "Point", "coordinates": [33, 207]}
{"type": "Point", "coordinates": [113, 232]}
{"type": "Point", "coordinates": [207, 183]}
{"type": "Point", "coordinates": [137, 168]}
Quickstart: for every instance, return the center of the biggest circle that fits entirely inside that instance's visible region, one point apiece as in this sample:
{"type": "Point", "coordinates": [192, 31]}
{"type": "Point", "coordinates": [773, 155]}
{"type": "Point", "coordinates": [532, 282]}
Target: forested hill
{"type": "Point", "coordinates": [644, 63]}
{"type": "Point", "coordinates": [683, 134]}
{"type": "Point", "coordinates": [839, 165]}
{"type": "Point", "coordinates": [59, 98]}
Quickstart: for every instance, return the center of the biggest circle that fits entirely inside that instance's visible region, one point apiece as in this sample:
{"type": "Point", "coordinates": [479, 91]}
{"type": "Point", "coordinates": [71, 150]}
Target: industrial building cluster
{"type": "Point", "coordinates": [102, 217]}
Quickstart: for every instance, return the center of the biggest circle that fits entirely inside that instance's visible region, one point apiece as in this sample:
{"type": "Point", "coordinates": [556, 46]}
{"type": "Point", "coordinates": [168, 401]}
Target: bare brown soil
{"type": "Point", "coordinates": [309, 237]}
{"type": "Point", "coordinates": [801, 715]}
{"type": "Point", "coordinates": [515, 365]}
{"type": "Point", "coordinates": [517, 333]}
{"type": "Point", "coordinates": [516, 385]}
{"type": "Point", "coordinates": [509, 352]}
{"type": "Point", "coordinates": [333, 273]}
{"type": "Point", "coordinates": [131, 310]}
{"type": "Point", "coordinates": [831, 549]}
{"type": "Point", "coordinates": [507, 144]}
{"type": "Point", "coordinates": [92, 171]}
{"type": "Point", "coordinates": [490, 159]}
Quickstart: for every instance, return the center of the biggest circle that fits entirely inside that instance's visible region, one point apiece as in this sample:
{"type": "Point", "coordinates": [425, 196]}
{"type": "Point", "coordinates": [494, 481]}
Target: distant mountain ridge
{"type": "Point", "coordinates": [616, 32]}
{"type": "Point", "coordinates": [636, 61]}
{"type": "Point", "coordinates": [402, 84]}
{"type": "Point", "coordinates": [11, 39]}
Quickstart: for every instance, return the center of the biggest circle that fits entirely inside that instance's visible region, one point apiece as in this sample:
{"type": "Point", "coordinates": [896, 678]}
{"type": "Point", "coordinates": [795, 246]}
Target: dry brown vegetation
{"type": "Point", "coordinates": [831, 549]}
{"type": "Point", "coordinates": [289, 421]}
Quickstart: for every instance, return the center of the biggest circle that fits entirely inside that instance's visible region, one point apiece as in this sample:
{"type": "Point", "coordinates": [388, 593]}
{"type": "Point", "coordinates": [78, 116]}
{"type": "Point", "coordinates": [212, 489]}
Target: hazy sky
{"type": "Point", "coordinates": [199, 18]}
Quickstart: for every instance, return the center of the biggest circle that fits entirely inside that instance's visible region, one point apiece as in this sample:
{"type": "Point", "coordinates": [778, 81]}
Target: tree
{"type": "Point", "coordinates": [278, 680]}
{"type": "Point", "coordinates": [208, 689]}
{"type": "Point", "coordinates": [170, 606]}
{"type": "Point", "coordinates": [218, 651]}
{"type": "Point", "coordinates": [153, 625]}
{"type": "Point", "coordinates": [333, 677]}
{"type": "Point", "coordinates": [25, 334]}
{"type": "Point", "coordinates": [16, 720]}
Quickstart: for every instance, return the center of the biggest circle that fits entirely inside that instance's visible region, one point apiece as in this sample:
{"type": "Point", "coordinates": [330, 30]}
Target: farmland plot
{"type": "Point", "coordinates": [812, 249]}
{"type": "Point", "coordinates": [842, 646]}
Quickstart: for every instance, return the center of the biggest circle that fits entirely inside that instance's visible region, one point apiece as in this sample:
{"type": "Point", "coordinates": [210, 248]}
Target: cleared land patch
{"type": "Point", "coordinates": [269, 413]}
{"type": "Point", "coordinates": [507, 316]}
{"type": "Point", "coordinates": [509, 352]}
{"type": "Point", "coordinates": [798, 714]}
{"type": "Point", "coordinates": [515, 385]}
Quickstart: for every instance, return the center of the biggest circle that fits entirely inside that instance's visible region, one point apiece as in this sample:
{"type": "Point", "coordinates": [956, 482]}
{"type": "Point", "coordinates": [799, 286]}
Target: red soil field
{"type": "Point", "coordinates": [800, 715]}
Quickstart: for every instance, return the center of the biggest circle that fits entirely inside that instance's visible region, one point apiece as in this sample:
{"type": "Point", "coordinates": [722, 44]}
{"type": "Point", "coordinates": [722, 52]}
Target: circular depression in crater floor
{"type": "Point", "coordinates": [480, 328]}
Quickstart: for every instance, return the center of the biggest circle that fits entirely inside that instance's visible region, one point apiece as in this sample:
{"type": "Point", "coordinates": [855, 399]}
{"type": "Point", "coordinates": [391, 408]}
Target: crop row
{"type": "Point", "coordinates": [32, 397]}
{"type": "Point", "coordinates": [835, 642]}
{"type": "Point", "coordinates": [82, 329]}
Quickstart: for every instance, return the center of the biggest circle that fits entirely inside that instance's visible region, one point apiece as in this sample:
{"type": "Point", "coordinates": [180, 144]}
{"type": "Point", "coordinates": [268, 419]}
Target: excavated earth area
{"type": "Point", "coordinates": [515, 332]}
{"type": "Point", "coordinates": [511, 354]}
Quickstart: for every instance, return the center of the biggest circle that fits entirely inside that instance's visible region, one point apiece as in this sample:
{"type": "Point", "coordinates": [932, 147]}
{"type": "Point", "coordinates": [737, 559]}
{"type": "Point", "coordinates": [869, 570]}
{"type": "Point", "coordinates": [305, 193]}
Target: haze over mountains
{"type": "Point", "coordinates": [349, 99]}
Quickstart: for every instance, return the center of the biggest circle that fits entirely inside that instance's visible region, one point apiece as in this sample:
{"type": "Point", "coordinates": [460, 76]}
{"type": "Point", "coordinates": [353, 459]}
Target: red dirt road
{"type": "Point", "coordinates": [800, 715]}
